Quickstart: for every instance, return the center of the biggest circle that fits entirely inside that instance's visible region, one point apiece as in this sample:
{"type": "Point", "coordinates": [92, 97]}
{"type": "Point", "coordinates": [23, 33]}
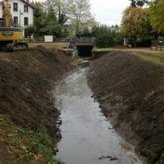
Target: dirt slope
{"type": "Point", "coordinates": [131, 93]}
{"type": "Point", "coordinates": [25, 82]}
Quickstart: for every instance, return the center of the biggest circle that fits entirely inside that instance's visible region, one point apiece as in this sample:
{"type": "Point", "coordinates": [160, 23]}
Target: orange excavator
{"type": "Point", "coordinates": [11, 38]}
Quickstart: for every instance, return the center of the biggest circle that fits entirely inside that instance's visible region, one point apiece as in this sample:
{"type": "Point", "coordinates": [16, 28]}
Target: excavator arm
{"type": "Point", "coordinates": [6, 14]}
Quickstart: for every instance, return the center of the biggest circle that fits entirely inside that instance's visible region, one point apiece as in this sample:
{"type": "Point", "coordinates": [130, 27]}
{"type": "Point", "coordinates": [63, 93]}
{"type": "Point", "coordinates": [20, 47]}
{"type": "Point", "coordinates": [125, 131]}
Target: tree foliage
{"type": "Point", "coordinates": [139, 3]}
{"type": "Point", "coordinates": [60, 7]}
{"type": "Point", "coordinates": [157, 16]}
{"type": "Point", "coordinates": [135, 22]}
{"type": "Point", "coordinates": [60, 17]}
{"type": "Point", "coordinates": [29, 31]}
{"type": "Point", "coordinates": [107, 36]}
{"type": "Point", "coordinates": [39, 19]}
{"type": "Point", "coordinates": [75, 13]}
{"type": "Point", "coordinates": [80, 15]}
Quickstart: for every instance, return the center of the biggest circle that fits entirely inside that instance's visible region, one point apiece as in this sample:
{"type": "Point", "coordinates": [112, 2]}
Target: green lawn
{"type": "Point", "coordinates": [157, 58]}
{"type": "Point", "coordinates": [56, 45]}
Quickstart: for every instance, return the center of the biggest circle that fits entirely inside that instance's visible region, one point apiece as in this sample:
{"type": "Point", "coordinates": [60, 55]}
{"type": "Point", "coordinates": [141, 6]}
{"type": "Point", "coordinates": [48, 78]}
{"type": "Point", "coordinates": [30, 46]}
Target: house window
{"type": "Point", "coordinates": [26, 21]}
{"type": "Point", "coordinates": [15, 6]}
{"type": "Point", "coordinates": [25, 8]}
{"type": "Point", "coordinates": [15, 21]}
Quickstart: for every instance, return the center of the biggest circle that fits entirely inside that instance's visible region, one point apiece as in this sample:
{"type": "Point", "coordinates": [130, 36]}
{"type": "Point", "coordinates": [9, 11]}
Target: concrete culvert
{"type": "Point", "coordinates": [85, 50]}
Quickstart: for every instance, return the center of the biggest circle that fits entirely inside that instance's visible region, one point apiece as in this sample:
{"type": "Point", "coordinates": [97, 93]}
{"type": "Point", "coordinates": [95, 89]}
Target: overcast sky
{"type": "Point", "coordinates": [108, 11]}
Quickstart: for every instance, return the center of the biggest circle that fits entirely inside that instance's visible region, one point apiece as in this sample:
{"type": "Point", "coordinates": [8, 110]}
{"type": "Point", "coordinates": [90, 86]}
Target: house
{"type": "Point", "coordinates": [21, 11]}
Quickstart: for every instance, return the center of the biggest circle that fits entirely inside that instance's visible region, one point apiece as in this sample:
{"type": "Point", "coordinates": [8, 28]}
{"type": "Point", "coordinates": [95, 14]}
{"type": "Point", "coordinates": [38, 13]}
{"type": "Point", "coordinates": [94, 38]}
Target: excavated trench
{"type": "Point", "coordinates": [87, 137]}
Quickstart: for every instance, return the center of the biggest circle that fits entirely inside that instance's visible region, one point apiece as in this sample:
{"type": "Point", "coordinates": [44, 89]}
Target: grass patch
{"type": "Point", "coordinates": [26, 146]}
{"type": "Point", "coordinates": [56, 45]}
{"type": "Point", "coordinates": [157, 58]}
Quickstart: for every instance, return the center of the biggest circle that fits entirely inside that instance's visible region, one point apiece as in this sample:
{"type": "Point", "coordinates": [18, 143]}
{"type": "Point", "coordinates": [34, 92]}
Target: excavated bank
{"type": "Point", "coordinates": [26, 78]}
{"type": "Point", "coordinates": [131, 93]}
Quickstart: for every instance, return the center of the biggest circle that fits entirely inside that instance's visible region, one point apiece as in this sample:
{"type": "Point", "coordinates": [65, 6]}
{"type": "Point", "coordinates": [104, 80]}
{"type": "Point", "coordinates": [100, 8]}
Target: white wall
{"type": "Point", "coordinates": [20, 16]}
{"type": "Point", "coordinates": [0, 9]}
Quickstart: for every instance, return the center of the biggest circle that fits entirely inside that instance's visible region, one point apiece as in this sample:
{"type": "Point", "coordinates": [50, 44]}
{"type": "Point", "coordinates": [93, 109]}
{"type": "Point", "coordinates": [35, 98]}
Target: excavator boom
{"type": "Point", "coordinates": [6, 13]}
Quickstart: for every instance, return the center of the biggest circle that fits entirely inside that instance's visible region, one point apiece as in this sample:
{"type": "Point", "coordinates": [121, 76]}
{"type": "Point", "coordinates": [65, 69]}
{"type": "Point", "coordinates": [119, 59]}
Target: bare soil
{"type": "Point", "coordinates": [131, 94]}
{"type": "Point", "coordinates": [26, 78]}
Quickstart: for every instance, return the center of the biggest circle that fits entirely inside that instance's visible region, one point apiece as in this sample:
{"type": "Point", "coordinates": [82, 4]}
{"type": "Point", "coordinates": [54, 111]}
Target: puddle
{"type": "Point", "coordinates": [87, 137]}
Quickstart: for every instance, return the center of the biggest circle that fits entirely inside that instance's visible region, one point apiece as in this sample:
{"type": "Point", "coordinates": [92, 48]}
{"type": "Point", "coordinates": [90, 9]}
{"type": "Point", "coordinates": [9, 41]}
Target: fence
{"type": "Point", "coordinates": [157, 45]}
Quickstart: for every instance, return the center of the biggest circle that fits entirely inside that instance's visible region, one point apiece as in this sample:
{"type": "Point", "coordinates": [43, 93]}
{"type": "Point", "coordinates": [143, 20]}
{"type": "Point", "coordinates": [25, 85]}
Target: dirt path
{"type": "Point", "coordinates": [131, 93]}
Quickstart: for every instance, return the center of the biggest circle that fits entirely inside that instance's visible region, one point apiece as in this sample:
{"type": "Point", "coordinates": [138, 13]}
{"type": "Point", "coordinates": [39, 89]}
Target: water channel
{"type": "Point", "coordinates": [87, 137]}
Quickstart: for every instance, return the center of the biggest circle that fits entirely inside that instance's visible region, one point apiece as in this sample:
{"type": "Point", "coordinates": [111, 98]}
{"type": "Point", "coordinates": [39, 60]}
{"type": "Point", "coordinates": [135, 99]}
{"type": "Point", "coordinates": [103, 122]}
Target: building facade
{"type": "Point", "coordinates": [21, 11]}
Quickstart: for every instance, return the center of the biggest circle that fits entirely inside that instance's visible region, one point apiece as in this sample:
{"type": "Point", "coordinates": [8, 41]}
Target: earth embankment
{"type": "Point", "coordinates": [131, 93]}
{"type": "Point", "coordinates": [26, 78]}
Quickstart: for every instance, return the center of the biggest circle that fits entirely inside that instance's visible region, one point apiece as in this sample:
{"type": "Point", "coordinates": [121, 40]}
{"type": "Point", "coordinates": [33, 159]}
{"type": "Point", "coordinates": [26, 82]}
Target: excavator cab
{"type": "Point", "coordinates": [11, 38]}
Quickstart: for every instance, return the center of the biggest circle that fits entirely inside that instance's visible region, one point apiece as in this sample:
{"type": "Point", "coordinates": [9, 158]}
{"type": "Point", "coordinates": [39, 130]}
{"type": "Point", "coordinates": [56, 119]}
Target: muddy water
{"type": "Point", "coordinates": [87, 137]}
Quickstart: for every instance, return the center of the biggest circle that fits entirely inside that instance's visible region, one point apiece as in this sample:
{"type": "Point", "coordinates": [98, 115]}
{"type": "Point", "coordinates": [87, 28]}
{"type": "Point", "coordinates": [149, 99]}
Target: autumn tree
{"type": "Point", "coordinates": [135, 22]}
{"type": "Point", "coordinates": [157, 16]}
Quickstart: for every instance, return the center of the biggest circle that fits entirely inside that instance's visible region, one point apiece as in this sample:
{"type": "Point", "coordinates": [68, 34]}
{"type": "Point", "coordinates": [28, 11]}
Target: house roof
{"type": "Point", "coordinates": [24, 1]}
{"type": "Point", "coordinates": [28, 3]}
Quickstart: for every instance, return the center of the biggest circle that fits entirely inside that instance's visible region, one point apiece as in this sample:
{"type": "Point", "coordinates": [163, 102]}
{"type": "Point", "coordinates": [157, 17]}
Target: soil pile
{"type": "Point", "coordinates": [25, 84]}
{"type": "Point", "coordinates": [131, 93]}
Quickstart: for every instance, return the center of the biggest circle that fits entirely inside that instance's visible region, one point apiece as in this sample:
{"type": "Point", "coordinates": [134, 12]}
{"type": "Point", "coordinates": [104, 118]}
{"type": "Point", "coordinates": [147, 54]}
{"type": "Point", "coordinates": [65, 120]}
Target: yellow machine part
{"type": "Point", "coordinates": [11, 34]}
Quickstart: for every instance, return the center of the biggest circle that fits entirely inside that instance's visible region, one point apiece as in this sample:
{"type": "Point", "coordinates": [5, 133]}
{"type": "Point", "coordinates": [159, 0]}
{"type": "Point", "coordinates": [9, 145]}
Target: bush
{"type": "Point", "coordinates": [107, 36]}
{"type": "Point", "coordinates": [29, 31]}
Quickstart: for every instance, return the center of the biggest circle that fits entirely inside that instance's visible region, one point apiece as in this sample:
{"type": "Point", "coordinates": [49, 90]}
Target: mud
{"type": "Point", "coordinates": [131, 94]}
{"type": "Point", "coordinates": [25, 84]}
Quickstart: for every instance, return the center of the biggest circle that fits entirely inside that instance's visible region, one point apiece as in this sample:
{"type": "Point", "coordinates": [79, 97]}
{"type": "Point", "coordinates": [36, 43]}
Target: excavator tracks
{"type": "Point", "coordinates": [11, 47]}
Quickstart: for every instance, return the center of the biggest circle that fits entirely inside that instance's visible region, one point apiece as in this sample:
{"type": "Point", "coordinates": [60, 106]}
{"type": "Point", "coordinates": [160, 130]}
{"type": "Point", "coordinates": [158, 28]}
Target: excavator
{"type": "Point", "coordinates": [11, 38]}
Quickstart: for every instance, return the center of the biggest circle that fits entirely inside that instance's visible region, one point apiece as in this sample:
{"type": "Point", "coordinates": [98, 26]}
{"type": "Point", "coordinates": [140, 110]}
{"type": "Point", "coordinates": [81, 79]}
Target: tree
{"type": "Point", "coordinates": [107, 36]}
{"type": "Point", "coordinates": [136, 26]}
{"type": "Point", "coordinates": [133, 3]}
{"type": "Point", "coordinates": [52, 26]}
{"type": "Point", "coordinates": [74, 14]}
{"type": "Point", "coordinates": [135, 22]}
{"type": "Point", "coordinates": [60, 8]}
{"type": "Point", "coordinates": [45, 22]}
{"type": "Point", "coordinates": [157, 16]}
{"type": "Point", "coordinates": [39, 19]}
{"type": "Point", "coordinates": [139, 3]}
{"type": "Point", "coordinates": [80, 15]}
{"type": "Point", "coordinates": [29, 31]}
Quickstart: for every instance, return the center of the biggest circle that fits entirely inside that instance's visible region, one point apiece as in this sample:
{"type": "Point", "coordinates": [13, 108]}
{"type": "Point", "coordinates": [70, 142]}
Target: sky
{"type": "Point", "coordinates": [108, 11]}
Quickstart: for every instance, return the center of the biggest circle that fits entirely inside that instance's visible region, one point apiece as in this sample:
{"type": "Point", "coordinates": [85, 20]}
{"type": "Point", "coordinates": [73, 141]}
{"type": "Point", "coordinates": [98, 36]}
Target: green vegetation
{"type": "Point", "coordinates": [107, 36]}
{"type": "Point", "coordinates": [157, 58]}
{"type": "Point", "coordinates": [142, 23]}
{"type": "Point", "coordinates": [161, 160]}
{"type": "Point", "coordinates": [60, 18]}
{"type": "Point", "coordinates": [26, 146]}
{"type": "Point", "coordinates": [157, 16]}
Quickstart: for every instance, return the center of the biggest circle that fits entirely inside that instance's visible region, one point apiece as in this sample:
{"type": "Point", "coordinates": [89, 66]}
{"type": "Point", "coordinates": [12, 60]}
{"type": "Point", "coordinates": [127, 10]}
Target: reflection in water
{"type": "Point", "coordinates": [86, 138]}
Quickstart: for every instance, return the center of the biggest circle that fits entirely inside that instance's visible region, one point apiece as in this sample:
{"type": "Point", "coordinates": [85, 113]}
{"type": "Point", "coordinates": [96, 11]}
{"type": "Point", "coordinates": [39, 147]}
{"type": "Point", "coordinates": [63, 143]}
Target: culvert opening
{"type": "Point", "coordinates": [85, 50]}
